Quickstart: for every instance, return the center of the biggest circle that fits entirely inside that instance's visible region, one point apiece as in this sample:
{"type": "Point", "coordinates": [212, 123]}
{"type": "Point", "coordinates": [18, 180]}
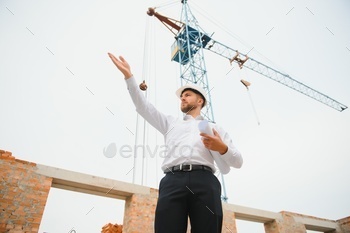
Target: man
{"type": "Point", "coordinates": [189, 188]}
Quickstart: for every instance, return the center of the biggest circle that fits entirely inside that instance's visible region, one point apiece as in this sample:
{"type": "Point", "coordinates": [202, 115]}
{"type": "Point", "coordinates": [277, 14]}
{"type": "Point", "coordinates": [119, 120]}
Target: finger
{"type": "Point", "coordinates": [216, 134]}
{"type": "Point", "coordinates": [206, 142]}
{"type": "Point", "coordinates": [122, 58]}
{"type": "Point", "coordinates": [113, 58]}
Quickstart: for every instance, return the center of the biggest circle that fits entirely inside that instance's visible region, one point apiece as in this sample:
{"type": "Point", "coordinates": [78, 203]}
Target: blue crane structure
{"type": "Point", "coordinates": [187, 50]}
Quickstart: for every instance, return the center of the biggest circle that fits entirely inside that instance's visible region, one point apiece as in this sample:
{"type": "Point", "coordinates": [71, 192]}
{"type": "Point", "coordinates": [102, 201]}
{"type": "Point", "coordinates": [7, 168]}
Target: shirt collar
{"type": "Point", "coordinates": [189, 117]}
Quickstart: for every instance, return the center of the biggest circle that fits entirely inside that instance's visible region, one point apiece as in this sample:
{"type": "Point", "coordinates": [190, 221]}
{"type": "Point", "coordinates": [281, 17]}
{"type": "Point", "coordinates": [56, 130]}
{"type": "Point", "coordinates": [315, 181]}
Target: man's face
{"type": "Point", "coordinates": [190, 101]}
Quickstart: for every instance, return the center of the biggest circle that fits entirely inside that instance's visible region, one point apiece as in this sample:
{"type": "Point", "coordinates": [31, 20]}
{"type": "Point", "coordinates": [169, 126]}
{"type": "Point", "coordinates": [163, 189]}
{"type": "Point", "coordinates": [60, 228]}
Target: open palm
{"type": "Point", "coordinates": [122, 65]}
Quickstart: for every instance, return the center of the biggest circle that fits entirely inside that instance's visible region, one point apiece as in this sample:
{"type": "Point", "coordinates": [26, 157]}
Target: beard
{"type": "Point", "coordinates": [187, 108]}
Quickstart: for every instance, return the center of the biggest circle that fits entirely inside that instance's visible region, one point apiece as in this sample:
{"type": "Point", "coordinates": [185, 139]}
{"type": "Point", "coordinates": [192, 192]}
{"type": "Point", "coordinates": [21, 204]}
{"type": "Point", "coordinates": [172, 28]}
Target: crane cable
{"type": "Point", "coordinates": [166, 4]}
{"type": "Point", "coordinates": [244, 82]}
{"type": "Point", "coordinates": [249, 47]}
{"type": "Point", "coordinates": [150, 55]}
{"type": "Point", "coordinates": [148, 71]}
{"type": "Point", "coordinates": [144, 77]}
{"type": "Point", "coordinates": [247, 84]}
{"type": "Point", "coordinates": [205, 14]}
{"type": "Point", "coordinates": [155, 88]}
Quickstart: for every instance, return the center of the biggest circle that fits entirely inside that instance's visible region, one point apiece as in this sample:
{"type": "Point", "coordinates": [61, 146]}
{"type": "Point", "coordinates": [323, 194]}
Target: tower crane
{"type": "Point", "coordinates": [187, 50]}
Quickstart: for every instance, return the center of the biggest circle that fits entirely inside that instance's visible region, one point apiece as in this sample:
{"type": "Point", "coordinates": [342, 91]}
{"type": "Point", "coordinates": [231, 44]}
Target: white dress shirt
{"type": "Point", "coordinates": [183, 144]}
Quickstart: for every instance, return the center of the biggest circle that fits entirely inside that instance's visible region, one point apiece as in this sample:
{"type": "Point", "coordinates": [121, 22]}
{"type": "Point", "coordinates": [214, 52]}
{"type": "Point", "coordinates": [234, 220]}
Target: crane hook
{"type": "Point", "coordinates": [245, 83]}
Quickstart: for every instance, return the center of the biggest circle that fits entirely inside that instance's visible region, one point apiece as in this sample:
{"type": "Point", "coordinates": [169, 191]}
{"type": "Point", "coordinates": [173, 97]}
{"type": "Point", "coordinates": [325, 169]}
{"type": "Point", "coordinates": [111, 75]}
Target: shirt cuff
{"type": "Point", "coordinates": [131, 82]}
{"type": "Point", "coordinates": [233, 157]}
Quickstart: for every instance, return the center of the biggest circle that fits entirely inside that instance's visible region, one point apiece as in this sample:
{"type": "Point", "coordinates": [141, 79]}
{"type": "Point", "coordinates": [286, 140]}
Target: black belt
{"type": "Point", "coordinates": [187, 168]}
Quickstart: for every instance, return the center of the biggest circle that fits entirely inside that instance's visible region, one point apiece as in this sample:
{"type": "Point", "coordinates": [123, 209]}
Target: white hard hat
{"type": "Point", "coordinates": [193, 87]}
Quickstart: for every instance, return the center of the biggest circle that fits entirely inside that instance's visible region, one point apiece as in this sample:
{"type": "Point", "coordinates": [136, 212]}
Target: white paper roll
{"type": "Point", "coordinates": [204, 127]}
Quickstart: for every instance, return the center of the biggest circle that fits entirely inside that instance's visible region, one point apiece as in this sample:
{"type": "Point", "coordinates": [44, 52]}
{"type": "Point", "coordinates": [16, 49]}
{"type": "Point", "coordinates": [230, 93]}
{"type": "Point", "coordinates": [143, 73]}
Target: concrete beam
{"type": "Point", "coordinates": [251, 214]}
{"type": "Point", "coordinates": [89, 184]}
{"type": "Point", "coordinates": [313, 224]}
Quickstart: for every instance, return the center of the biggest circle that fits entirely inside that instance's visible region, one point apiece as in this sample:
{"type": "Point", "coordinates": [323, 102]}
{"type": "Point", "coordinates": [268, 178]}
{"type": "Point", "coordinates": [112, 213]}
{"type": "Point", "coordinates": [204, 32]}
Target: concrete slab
{"type": "Point", "coordinates": [251, 214]}
{"type": "Point", "coordinates": [313, 224]}
{"type": "Point", "coordinates": [89, 184]}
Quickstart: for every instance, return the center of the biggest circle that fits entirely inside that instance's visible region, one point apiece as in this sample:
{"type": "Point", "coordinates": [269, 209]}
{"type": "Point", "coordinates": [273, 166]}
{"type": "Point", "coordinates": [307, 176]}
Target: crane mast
{"type": "Point", "coordinates": [187, 50]}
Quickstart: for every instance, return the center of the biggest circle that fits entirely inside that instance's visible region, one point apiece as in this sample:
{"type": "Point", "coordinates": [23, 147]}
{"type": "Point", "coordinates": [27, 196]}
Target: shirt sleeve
{"type": "Point", "coordinates": [157, 119]}
{"type": "Point", "coordinates": [233, 158]}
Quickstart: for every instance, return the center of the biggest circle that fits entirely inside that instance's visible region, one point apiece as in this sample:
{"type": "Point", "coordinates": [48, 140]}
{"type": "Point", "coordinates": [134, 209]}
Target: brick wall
{"type": "Point", "coordinates": [139, 212]}
{"type": "Point", "coordinates": [23, 195]}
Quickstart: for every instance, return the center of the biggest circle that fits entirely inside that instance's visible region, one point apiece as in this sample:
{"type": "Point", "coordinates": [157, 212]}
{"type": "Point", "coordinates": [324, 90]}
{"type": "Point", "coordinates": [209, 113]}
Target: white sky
{"type": "Point", "coordinates": [56, 83]}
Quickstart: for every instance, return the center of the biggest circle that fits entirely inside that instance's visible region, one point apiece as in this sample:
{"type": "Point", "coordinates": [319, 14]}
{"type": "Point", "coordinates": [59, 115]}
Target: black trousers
{"type": "Point", "coordinates": [195, 194]}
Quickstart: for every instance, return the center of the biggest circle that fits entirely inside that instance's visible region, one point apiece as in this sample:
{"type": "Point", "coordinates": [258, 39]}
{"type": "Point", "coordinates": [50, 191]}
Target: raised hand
{"type": "Point", "coordinates": [122, 65]}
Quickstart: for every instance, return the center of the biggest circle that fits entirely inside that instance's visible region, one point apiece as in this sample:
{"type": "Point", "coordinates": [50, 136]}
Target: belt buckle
{"type": "Point", "coordinates": [185, 169]}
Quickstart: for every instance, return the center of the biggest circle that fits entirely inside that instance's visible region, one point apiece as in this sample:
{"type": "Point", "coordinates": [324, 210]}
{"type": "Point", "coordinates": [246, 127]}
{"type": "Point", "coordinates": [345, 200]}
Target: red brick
{"type": "Point", "coordinates": [4, 206]}
{"type": "Point", "coordinates": [12, 217]}
{"type": "Point", "coordinates": [27, 230]}
{"type": "Point", "coordinates": [18, 227]}
{"type": "Point", "coordinates": [19, 213]}
{"type": "Point", "coordinates": [37, 220]}
{"type": "Point", "coordinates": [10, 226]}
{"type": "Point", "coordinates": [17, 231]}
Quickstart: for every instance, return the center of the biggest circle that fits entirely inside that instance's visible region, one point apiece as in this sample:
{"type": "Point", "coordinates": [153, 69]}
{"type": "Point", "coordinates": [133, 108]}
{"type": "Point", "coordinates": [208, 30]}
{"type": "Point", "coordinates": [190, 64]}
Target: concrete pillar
{"type": "Point", "coordinates": [229, 222]}
{"type": "Point", "coordinates": [23, 195]}
{"type": "Point", "coordinates": [275, 226]}
{"type": "Point", "coordinates": [285, 225]}
{"type": "Point", "coordinates": [139, 212]}
{"type": "Point", "coordinates": [344, 224]}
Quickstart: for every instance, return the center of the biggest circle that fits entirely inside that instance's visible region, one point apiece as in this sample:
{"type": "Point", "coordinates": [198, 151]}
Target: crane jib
{"type": "Point", "coordinates": [285, 79]}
